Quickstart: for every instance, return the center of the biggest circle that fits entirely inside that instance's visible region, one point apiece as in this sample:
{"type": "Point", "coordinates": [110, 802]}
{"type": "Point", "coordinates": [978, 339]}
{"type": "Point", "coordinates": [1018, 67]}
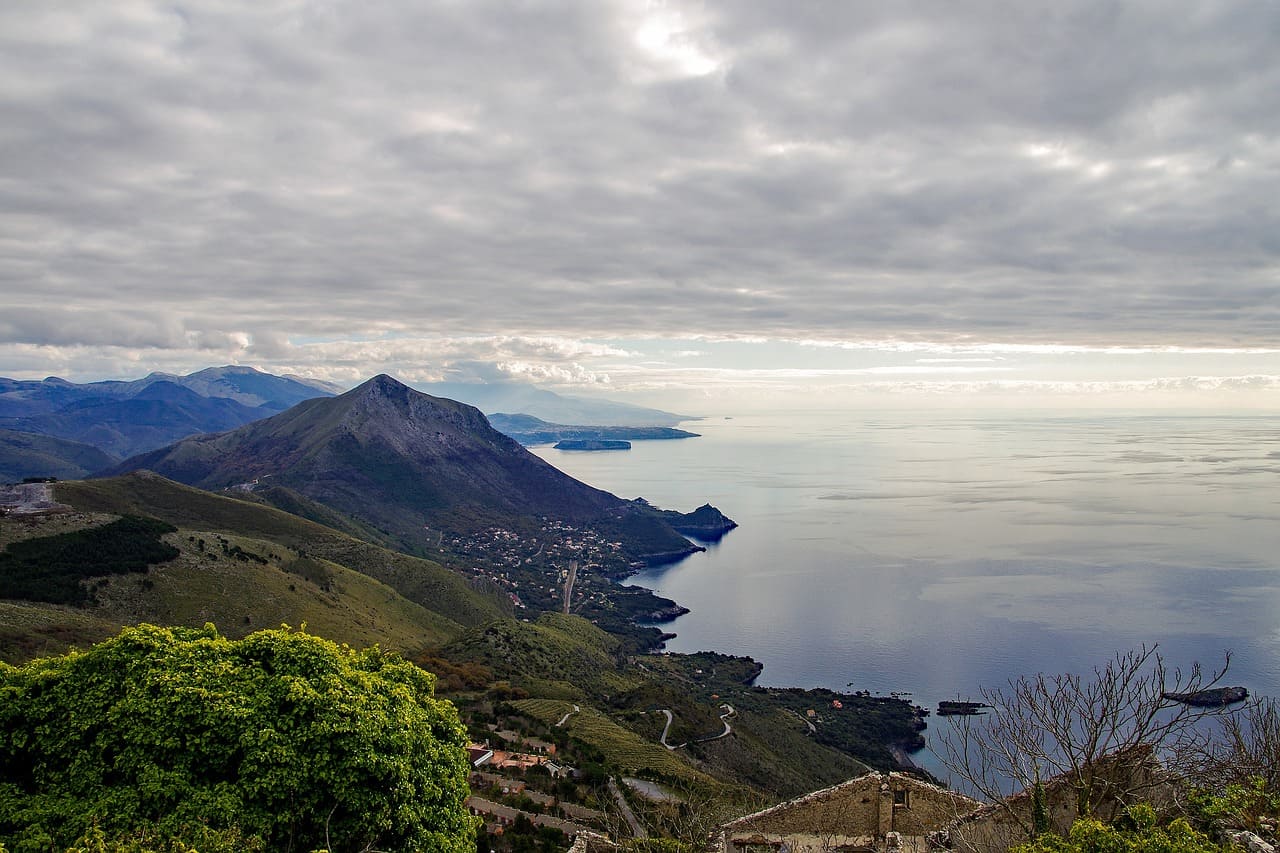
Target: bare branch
{"type": "Point", "coordinates": [1064, 726]}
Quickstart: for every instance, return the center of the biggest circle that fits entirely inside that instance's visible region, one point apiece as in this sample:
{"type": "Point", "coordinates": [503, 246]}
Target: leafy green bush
{"type": "Point", "coordinates": [286, 739]}
{"type": "Point", "coordinates": [52, 568]}
{"type": "Point", "coordinates": [199, 839]}
{"type": "Point", "coordinates": [1136, 831]}
{"type": "Point", "coordinates": [1240, 806]}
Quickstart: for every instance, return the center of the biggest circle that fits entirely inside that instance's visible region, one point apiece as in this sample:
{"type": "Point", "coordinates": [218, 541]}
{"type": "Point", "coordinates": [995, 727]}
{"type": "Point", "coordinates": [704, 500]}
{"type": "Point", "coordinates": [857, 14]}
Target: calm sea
{"type": "Point", "coordinates": [936, 553]}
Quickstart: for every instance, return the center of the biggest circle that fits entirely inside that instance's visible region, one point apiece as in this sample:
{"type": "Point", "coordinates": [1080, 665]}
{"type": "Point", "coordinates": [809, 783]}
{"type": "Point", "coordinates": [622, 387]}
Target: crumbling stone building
{"type": "Point", "coordinates": [874, 812]}
{"type": "Point", "coordinates": [1107, 787]}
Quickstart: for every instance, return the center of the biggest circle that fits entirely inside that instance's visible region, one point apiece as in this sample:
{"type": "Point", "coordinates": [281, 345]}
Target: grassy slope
{"type": "Point", "coordinates": [557, 655]}
{"type": "Point", "coordinates": [771, 748]}
{"type": "Point", "coordinates": [29, 630]}
{"type": "Point", "coordinates": [421, 581]}
{"type": "Point", "coordinates": [208, 582]}
{"type": "Point", "coordinates": [241, 596]}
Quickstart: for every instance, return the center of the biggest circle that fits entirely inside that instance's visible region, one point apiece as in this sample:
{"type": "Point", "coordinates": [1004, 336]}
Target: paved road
{"type": "Point", "coordinates": [663, 739]}
{"type": "Point", "coordinates": [813, 730]}
{"type": "Point", "coordinates": [568, 585]}
{"type": "Point", "coordinates": [724, 718]}
{"type": "Point", "coordinates": [566, 717]}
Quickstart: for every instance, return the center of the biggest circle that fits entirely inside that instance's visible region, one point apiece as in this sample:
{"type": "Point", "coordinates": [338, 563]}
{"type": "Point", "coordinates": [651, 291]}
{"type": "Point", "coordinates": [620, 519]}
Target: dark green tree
{"type": "Point", "coordinates": [281, 737]}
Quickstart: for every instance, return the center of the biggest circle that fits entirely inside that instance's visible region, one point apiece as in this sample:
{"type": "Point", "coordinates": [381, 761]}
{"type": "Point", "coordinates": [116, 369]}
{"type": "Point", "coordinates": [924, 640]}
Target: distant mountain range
{"type": "Point", "coordinates": [251, 388]}
{"type": "Point", "coordinates": [550, 406]}
{"type": "Point", "coordinates": [527, 429]}
{"type": "Point", "coordinates": [120, 419]}
{"type": "Point", "coordinates": [408, 464]}
{"type": "Point", "coordinates": [156, 415]}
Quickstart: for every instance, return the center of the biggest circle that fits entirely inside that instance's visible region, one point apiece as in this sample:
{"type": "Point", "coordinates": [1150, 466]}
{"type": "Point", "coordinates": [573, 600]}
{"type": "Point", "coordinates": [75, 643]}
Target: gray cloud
{"type": "Point", "coordinates": [239, 174]}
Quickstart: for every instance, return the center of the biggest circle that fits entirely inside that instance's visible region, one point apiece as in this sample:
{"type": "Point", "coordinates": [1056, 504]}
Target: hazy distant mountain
{"type": "Point", "coordinates": [159, 414]}
{"type": "Point", "coordinates": [249, 387]}
{"type": "Point", "coordinates": [25, 454]}
{"type": "Point", "coordinates": [126, 418]}
{"type": "Point", "coordinates": [403, 462]}
{"type": "Point", "coordinates": [550, 406]}
{"type": "Point", "coordinates": [22, 398]}
{"type": "Point", "coordinates": [527, 429]}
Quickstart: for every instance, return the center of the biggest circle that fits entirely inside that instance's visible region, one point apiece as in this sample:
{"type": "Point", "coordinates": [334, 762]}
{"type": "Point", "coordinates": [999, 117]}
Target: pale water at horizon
{"type": "Point", "coordinates": [936, 553]}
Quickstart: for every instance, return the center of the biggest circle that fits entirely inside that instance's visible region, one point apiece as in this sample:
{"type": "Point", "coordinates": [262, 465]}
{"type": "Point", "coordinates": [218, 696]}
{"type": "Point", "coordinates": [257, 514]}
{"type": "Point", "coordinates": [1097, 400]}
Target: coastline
{"type": "Point", "coordinates": [899, 750]}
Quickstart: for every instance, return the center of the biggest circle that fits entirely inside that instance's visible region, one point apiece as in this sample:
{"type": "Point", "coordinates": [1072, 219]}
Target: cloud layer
{"type": "Point", "coordinates": [240, 180]}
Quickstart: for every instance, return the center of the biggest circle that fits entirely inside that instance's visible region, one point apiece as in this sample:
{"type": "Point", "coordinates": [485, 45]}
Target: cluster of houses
{"type": "Point", "coordinates": [540, 753]}
{"type": "Point", "coordinates": [507, 556]}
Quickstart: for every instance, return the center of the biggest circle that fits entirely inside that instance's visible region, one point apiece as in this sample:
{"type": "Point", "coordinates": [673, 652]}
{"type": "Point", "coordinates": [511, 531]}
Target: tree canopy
{"type": "Point", "coordinates": [282, 738]}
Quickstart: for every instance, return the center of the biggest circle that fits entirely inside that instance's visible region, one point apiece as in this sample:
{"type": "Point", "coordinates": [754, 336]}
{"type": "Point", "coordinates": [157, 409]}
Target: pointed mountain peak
{"type": "Point", "coordinates": [389, 397]}
{"type": "Point", "coordinates": [381, 385]}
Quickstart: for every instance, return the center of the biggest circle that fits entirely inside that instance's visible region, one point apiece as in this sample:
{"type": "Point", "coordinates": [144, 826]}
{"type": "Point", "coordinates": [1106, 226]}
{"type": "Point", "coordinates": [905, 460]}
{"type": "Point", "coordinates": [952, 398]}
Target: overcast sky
{"type": "Point", "coordinates": [647, 198]}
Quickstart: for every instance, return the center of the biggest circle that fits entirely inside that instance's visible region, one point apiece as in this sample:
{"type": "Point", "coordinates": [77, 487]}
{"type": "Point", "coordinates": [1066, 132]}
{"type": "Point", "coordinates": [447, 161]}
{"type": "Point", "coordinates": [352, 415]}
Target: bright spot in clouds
{"type": "Point", "coordinates": [707, 202]}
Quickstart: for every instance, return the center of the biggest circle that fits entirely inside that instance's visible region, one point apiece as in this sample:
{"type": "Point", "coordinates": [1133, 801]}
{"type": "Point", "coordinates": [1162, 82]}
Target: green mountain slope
{"type": "Point", "coordinates": [423, 582]}
{"type": "Point", "coordinates": [239, 584]}
{"type": "Point", "coordinates": [556, 655]}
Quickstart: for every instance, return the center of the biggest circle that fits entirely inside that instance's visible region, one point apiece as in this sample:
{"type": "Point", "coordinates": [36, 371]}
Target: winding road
{"type": "Point", "coordinates": [663, 739]}
{"type": "Point", "coordinates": [724, 718]}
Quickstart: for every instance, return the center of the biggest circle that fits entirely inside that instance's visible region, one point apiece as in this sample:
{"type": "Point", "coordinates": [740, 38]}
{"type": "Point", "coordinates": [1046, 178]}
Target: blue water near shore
{"type": "Point", "coordinates": [936, 553]}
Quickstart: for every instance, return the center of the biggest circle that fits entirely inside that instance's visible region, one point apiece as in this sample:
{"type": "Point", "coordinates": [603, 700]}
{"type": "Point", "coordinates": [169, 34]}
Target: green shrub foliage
{"type": "Point", "coordinates": [53, 568]}
{"type": "Point", "coordinates": [1137, 831]}
{"type": "Point", "coordinates": [281, 737]}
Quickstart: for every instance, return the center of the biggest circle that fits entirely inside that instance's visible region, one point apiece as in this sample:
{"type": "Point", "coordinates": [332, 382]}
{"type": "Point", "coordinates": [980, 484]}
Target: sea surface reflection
{"type": "Point", "coordinates": [936, 553]}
